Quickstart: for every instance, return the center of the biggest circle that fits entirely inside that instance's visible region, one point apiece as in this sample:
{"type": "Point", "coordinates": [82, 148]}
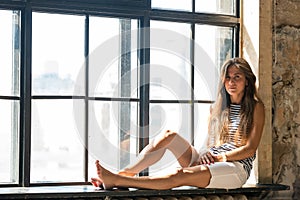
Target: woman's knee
{"type": "Point", "coordinates": [170, 134]}
{"type": "Point", "coordinates": [164, 139]}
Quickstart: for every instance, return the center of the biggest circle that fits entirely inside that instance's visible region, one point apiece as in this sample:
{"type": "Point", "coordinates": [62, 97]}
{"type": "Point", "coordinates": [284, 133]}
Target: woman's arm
{"type": "Point", "coordinates": [253, 140]}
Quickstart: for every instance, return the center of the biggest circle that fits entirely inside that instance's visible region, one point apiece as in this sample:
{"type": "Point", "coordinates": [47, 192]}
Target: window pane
{"type": "Point", "coordinates": [9, 141]}
{"type": "Point", "coordinates": [170, 72]}
{"type": "Point", "coordinates": [202, 112]}
{"type": "Point", "coordinates": [175, 117]}
{"type": "Point", "coordinates": [57, 54]}
{"type": "Point", "coordinates": [216, 6]}
{"type": "Point", "coordinates": [183, 5]}
{"type": "Point", "coordinates": [113, 133]}
{"type": "Point", "coordinates": [213, 46]}
{"type": "Point", "coordinates": [113, 57]}
{"type": "Point", "coordinates": [57, 149]}
{"type": "Point", "coordinates": [10, 23]}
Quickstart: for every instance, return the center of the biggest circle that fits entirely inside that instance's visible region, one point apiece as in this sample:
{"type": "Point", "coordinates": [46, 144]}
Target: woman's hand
{"type": "Point", "coordinates": [206, 158]}
{"type": "Point", "coordinates": [209, 158]}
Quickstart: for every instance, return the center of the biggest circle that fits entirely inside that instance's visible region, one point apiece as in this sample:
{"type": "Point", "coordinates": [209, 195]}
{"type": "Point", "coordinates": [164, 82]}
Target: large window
{"type": "Point", "coordinates": [78, 86]}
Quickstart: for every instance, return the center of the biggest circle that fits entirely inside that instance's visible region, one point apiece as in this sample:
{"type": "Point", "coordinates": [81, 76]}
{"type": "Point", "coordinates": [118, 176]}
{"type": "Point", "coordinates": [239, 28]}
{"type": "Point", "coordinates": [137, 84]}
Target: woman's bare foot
{"type": "Point", "coordinates": [97, 182]}
{"type": "Point", "coordinates": [106, 177]}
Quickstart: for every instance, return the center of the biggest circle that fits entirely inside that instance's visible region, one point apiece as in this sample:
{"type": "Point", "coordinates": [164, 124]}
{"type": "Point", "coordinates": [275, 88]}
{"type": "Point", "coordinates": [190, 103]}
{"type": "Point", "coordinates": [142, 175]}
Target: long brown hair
{"type": "Point", "coordinates": [218, 124]}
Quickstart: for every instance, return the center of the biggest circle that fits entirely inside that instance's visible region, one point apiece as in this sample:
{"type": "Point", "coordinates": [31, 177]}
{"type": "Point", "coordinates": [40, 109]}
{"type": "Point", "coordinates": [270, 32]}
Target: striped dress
{"type": "Point", "coordinates": [234, 121]}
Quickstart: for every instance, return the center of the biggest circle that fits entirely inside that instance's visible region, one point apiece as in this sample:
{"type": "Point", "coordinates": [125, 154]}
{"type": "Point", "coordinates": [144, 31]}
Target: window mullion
{"type": "Point", "coordinates": [86, 103]}
{"type": "Point", "coordinates": [192, 60]}
{"type": "Point", "coordinates": [144, 84]}
{"type": "Point", "coordinates": [236, 41]}
{"type": "Point", "coordinates": [25, 111]}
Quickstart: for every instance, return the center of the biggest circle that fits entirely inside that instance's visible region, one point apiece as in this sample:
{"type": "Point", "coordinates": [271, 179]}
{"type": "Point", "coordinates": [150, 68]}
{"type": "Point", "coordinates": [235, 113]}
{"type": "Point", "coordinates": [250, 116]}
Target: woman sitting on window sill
{"type": "Point", "coordinates": [235, 129]}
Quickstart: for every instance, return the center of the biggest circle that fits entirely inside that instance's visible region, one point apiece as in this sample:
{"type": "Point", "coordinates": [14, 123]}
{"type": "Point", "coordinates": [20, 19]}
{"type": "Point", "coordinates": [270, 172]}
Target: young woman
{"type": "Point", "coordinates": [235, 129]}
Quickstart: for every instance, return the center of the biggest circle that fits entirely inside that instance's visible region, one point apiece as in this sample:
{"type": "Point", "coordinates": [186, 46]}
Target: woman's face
{"type": "Point", "coordinates": [235, 83]}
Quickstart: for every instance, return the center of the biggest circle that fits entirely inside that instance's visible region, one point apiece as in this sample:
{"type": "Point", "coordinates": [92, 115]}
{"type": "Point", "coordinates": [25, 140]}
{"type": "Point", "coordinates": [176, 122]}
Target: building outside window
{"type": "Point", "coordinates": [9, 95]}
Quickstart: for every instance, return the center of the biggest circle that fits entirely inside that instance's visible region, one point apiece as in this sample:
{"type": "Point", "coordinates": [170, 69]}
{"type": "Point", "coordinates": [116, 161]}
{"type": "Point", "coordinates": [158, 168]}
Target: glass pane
{"type": "Point", "coordinates": [57, 54]}
{"type": "Point", "coordinates": [10, 25]}
{"type": "Point", "coordinates": [216, 6]}
{"type": "Point", "coordinates": [57, 149]}
{"type": "Point", "coordinates": [113, 57]}
{"type": "Point", "coordinates": [9, 141]}
{"type": "Point", "coordinates": [213, 46]}
{"type": "Point", "coordinates": [175, 117]}
{"type": "Point", "coordinates": [183, 5]}
{"type": "Point", "coordinates": [170, 72]}
{"type": "Point", "coordinates": [113, 134]}
{"type": "Point", "coordinates": [202, 112]}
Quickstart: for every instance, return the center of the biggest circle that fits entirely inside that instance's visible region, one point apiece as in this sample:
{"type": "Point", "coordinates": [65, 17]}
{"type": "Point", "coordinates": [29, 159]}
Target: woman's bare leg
{"type": "Point", "coordinates": [154, 151]}
{"type": "Point", "coordinates": [198, 176]}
